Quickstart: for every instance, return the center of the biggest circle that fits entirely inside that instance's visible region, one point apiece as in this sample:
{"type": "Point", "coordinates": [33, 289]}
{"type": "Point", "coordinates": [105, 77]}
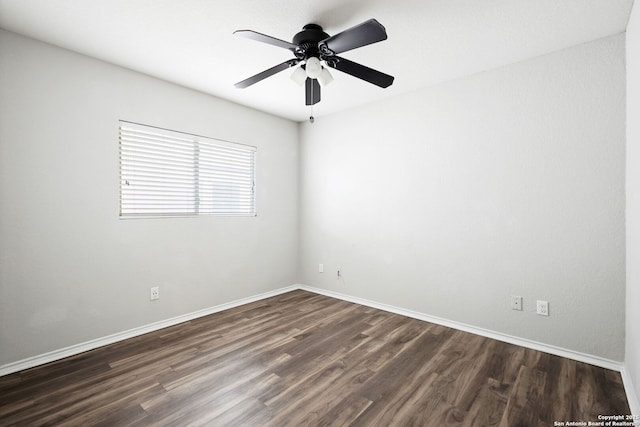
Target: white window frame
{"type": "Point", "coordinates": [166, 173]}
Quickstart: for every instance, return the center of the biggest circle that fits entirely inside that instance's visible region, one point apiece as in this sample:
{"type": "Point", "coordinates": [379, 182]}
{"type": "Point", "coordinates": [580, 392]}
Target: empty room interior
{"type": "Point", "coordinates": [437, 224]}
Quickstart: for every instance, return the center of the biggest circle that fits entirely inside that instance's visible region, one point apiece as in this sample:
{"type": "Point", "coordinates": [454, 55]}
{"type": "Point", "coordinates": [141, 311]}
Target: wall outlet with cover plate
{"type": "Point", "coordinates": [542, 308]}
{"type": "Point", "coordinates": [154, 293]}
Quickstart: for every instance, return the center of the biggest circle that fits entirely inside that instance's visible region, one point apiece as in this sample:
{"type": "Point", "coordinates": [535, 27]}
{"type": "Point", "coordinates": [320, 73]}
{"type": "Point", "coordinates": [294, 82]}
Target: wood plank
{"type": "Point", "coordinates": [526, 402]}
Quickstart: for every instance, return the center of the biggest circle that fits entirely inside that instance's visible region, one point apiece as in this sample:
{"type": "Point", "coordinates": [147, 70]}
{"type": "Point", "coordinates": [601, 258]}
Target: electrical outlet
{"type": "Point", "coordinates": [542, 308]}
{"type": "Point", "coordinates": [516, 303]}
{"type": "Point", "coordinates": [154, 293]}
{"type": "Point", "coordinates": [339, 273]}
{"type": "Point", "coordinates": [320, 268]}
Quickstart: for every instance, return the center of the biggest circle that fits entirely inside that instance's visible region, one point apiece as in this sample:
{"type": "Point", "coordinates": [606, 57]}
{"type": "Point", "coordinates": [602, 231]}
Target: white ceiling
{"type": "Point", "coordinates": [191, 42]}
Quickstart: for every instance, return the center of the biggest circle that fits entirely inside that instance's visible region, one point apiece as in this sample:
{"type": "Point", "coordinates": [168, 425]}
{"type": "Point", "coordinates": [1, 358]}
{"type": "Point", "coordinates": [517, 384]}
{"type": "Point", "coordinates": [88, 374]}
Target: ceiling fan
{"type": "Point", "coordinates": [313, 47]}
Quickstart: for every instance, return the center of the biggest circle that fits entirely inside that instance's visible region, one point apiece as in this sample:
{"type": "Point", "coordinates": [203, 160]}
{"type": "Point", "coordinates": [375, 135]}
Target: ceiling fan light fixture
{"type": "Point", "coordinates": [325, 77]}
{"type": "Point", "coordinates": [313, 67]}
{"type": "Point", "coordinates": [299, 76]}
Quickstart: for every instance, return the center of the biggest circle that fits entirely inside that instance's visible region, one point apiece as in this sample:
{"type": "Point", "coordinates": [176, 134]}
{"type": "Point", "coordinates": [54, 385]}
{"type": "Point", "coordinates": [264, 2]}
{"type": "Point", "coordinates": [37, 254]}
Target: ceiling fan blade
{"type": "Point", "coordinates": [368, 32]}
{"type": "Point", "coordinates": [312, 91]}
{"type": "Point", "coordinates": [360, 71]}
{"type": "Point", "coordinates": [266, 73]}
{"type": "Point", "coordinates": [253, 35]}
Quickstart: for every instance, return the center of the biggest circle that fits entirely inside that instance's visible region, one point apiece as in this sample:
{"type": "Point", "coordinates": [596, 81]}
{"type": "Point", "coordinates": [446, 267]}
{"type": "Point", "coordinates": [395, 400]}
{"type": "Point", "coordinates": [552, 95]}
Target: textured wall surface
{"type": "Point", "coordinates": [70, 270]}
{"type": "Point", "coordinates": [448, 200]}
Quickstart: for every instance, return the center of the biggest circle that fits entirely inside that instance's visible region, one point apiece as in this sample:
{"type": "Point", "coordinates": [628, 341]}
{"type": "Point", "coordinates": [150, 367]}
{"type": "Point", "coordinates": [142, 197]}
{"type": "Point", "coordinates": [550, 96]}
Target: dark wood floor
{"type": "Point", "coordinates": [306, 359]}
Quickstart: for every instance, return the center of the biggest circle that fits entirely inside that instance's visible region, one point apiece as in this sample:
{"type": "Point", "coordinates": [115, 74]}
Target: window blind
{"type": "Point", "coordinates": [169, 173]}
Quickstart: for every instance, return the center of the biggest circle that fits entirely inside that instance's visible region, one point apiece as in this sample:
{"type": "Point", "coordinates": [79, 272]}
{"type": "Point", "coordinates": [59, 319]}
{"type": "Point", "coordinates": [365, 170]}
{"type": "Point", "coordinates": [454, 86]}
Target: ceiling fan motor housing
{"type": "Point", "coordinates": [308, 39]}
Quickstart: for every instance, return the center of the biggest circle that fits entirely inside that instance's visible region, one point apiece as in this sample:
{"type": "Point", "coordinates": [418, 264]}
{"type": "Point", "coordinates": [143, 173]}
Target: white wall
{"type": "Point", "coordinates": [445, 201]}
{"type": "Point", "coordinates": [70, 270]}
{"type": "Point", "coordinates": [632, 357]}
{"type": "Point", "coordinates": [449, 200]}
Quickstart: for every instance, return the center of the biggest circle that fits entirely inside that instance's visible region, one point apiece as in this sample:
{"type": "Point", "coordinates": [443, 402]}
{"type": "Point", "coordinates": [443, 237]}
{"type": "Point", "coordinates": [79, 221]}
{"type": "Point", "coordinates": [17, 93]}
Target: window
{"type": "Point", "coordinates": [167, 173]}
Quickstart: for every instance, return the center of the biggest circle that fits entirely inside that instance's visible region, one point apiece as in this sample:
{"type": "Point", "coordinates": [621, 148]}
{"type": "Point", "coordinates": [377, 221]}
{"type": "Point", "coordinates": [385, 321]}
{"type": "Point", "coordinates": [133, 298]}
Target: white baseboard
{"type": "Point", "coordinates": [558, 351]}
{"type": "Point", "coordinates": [632, 396]}
{"type": "Point", "coordinates": [120, 336]}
